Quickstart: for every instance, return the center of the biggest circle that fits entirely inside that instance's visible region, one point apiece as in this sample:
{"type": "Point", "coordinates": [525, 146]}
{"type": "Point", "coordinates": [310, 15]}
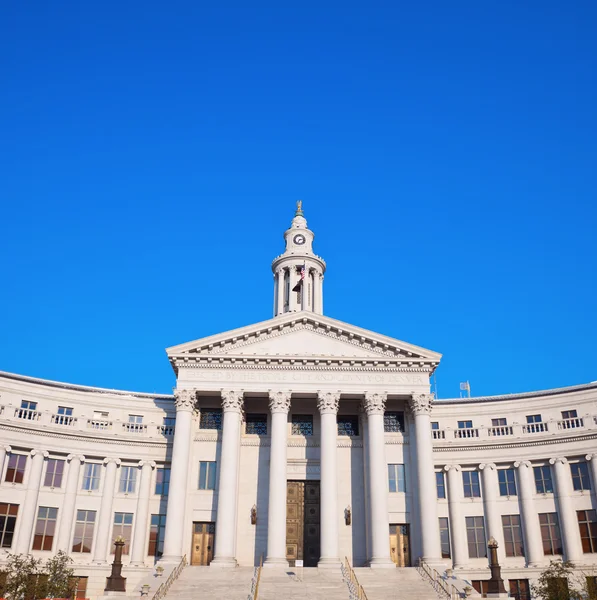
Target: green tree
{"type": "Point", "coordinates": [22, 577]}
{"type": "Point", "coordinates": [61, 581]}
{"type": "Point", "coordinates": [554, 583]}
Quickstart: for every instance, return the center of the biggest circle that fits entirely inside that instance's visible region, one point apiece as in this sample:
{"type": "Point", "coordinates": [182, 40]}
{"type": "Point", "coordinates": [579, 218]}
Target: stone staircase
{"type": "Point", "coordinates": [215, 584]}
{"type": "Point", "coordinates": [302, 584]}
{"type": "Point", "coordinates": [394, 584]}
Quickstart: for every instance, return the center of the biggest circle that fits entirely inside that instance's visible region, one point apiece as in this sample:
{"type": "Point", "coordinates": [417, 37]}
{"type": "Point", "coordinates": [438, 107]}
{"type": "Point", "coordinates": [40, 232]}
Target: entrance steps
{"type": "Point", "coordinates": [215, 584]}
{"type": "Point", "coordinates": [297, 583]}
{"type": "Point", "coordinates": [403, 583]}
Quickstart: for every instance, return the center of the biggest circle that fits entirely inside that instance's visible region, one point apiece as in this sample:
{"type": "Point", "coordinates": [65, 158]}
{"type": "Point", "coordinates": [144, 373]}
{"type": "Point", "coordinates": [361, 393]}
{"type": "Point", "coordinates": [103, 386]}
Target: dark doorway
{"type": "Point", "coordinates": [302, 522]}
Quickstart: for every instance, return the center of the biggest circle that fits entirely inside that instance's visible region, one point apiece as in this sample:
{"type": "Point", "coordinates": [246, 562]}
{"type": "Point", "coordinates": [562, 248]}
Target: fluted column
{"type": "Point", "coordinates": [378, 481]}
{"type": "Point", "coordinates": [105, 520]}
{"type": "Point", "coordinates": [142, 514]}
{"type": "Point", "coordinates": [566, 513]}
{"type": "Point", "coordinates": [420, 405]}
{"type": "Point", "coordinates": [327, 403]}
{"type": "Point", "coordinates": [225, 555]}
{"type": "Point", "coordinates": [493, 520]}
{"type": "Point", "coordinates": [279, 405]}
{"type": "Point", "coordinates": [69, 502]}
{"type": "Point", "coordinates": [27, 516]}
{"type": "Point", "coordinates": [457, 523]}
{"type": "Point", "coordinates": [179, 473]}
{"type": "Point", "coordinates": [533, 546]}
{"type": "Point", "coordinates": [4, 450]}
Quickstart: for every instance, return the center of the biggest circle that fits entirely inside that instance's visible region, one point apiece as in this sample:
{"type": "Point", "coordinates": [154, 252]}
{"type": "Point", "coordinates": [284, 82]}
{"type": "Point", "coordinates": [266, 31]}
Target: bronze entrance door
{"type": "Point", "coordinates": [400, 545]}
{"type": "Point", "coordinates": [302, 522]}
{"type": "Point", "coordinates": [203, 543]}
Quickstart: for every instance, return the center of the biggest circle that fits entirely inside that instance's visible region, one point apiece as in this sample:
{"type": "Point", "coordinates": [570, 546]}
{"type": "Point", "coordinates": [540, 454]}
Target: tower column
{"type": "Point", "coordinates": [280, 293]}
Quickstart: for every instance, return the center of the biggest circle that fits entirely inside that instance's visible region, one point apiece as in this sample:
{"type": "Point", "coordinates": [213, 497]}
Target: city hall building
{"type": "Point", "coordinates": [300, 438]}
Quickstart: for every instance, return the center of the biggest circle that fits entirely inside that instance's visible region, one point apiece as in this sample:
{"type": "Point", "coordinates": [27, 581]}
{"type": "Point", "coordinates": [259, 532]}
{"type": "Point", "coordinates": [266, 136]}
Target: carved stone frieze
{"type": "Point", "coordinates": [328, 402]}
{"type": "Point", "coordinates": [185, 399]}
{"type": "Point", "coordinates": [375, 403]}
{"type": "Point", "coordinates": [232, 400]}
{"type": "Point", "coordinates": [279, 401]}
{"type": "Point", "coordinates": [420, 403]}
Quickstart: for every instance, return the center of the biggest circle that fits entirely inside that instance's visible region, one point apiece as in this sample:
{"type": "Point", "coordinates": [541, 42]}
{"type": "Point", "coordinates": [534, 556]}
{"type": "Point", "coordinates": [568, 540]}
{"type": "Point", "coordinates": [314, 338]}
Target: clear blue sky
{"type": "Point", "coordinates": [446, 154]}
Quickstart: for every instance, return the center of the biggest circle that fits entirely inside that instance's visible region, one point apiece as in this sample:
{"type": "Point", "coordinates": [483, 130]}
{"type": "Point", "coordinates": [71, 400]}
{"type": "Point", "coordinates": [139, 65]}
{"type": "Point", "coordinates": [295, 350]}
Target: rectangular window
{"type": "Point", "coordinates": [444, 536]}
{"type": "Point", "coordinates": [207, 475]}
{"type": "Point", "coordinates": [393, 422]}
{"type": "Point", "coordinates": [481, 586]}
{"type": "Point", "coordinates": [136, 419]}
{"type": "Point", "coordinates": [128, 480]}
{"type": "Point", "coordinates": [465, 424]}
{"type": "Point", "coordinates": [156, 535]}
{"type": "Point", "coordinates": [15, 472]}
{"type": "Point", "coordinates": [434, 425]}
{"type": "Point", "coordinates": [256, 424]}
{"type": "Point", "coordinates": [81, 588]}
{"type": "Point", "coordinates": [580, 476]}
{"type": "Point", "coordinates": [100, 414]}
{"type": "Point", "coordinates": [519, 589]}
{"type": "Point", "coordinates": [27, 411]}
{"type": "Point", "coordinates": [587, 523]}
{"type": "Point", "coordinates": [512, 535]}
{"type": "Point", "coordinates": [533, 418]}
{"type": "Point", "coordinates": [348, 425]}
{"type": "Point", "coordinates": [28, 405]}
{"type": "Point", "coordinates": [302, 425]}
{"type": "Point", "coordinates": [396, 478]}
{"type": "Point", "coordinates": [507, 482]}
{"type": "Point", "coordinates": [123, 527]}
{"type": "Point", "coordinates": [162, 482]}
{"type": "Point", "coordinates": [63, 416]}
{"type": "Point", "coordinates": [470, 480]}
{"type": "Point", "coordinates": [210, 418]}
{"type": "Point", "coordinates": [84, 526]}
{"type": "Point", "coordinates": [499, 422]}
{"type": "Point", "coordinates": [543, 482]}
{"type": "Point", "coordinates": [54, 472]}
{"type": "Point", "coordinates": [475, 535]}
{"type": "Point", "coordinates": [569, 414]}
{"type": "Point", "coordinates": [440, 484]}
{"type": "Point", "coordinates": [168, 424]}
{"type": "Point", "coordinates": [550, 533]}
{"type": "Point", "coordinates": [91, 476]}
{"type": "Point", "coordinates": [45, 528]}
{"type": "Point", "coordinates": [8, 522]}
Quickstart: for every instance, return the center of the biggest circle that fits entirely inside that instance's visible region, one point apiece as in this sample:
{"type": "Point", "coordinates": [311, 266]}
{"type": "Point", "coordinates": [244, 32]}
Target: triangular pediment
{"type": "Point", "coordinates": [303, 335]}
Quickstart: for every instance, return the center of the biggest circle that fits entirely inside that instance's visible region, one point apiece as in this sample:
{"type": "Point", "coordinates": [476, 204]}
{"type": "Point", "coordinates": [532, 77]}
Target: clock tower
{"type": "Point", "coordinates": [298, 273]}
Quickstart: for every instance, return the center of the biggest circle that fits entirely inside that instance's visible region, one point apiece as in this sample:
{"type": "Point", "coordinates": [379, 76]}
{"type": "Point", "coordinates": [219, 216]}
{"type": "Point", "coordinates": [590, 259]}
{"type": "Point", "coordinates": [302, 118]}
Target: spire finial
{"type": "Point", "coordinates": [299, 208]}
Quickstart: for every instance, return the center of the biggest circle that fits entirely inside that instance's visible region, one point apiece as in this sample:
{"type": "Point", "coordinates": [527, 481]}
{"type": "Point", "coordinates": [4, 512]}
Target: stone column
{"type": "Point", "coordinates": [592, 460]}
{"type": "Point", "coordinates": [493, 520]}
{"type": "Point", "coordinates": [69, 502]}
{"type": "Point", "coordinates": [566, 513]}
{"type": "Point", "coordinates": [179, 474]}
{"type": "Point", "coordinates": [279, 404]}
{"type": "Point", "coordinates": [378, 481]}
{"type": "Point", "coordinates": [533, 546]}
{"type": "Point", "coordinates": [28, 514]}
{"type": "Point", "coordinates": [281, 291]}
{"type": "Point", "coordinates": [457, 523]}
{"type": "Point", "coordinates": [320, 311]}
{"type": "Point", "coordinates": [365, 434]}
{"type": "Point", "coordinates": [327, 403]}
{"type": "Point", "coordinates": [140, 530]}
{"type": "Point", "coordinates": [420, 405]}
{"type": "Point", "coordinates": [225, 555]}
{"type": "Point", "coordinates": [105, 519]}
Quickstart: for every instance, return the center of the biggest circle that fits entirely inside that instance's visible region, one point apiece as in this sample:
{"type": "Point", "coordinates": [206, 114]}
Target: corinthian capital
{"type": "Point", "coordinates": [375, 403]}
{"type": "Point", "coordinates": [232, 400]}
{"type": "Point", "coordinates": [420, 403]}
{"type": "Point", "coordinates": [279, 401]}
{"type": "Point", "coordinates": [328, 402]}
{"type": "Point", "coordinates": [185, 399]}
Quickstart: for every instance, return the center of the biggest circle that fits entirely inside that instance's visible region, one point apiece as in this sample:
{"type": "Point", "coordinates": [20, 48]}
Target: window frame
{"type": "Point", "coordinates": [122, 529]}
{"type": "Point", "coordinates": [472, 485]}
{"type": "Point", "coordinates": [512, 528]}
{"type": "Point", "coordinates": [542, 469]}
{"type": "Point", "coordinates": [127, 483]}
{"type": "Point", "coordinates": [93, 479]}
{"type": "Point", "coordinates": [257, 423]}
{"type": "Point", "coordinates": [467, 424]}
{"type": "Point", "coordinates": [350, 427]}
{"type": "Point", "coordinates": [587, 526]}
{"type": "Point", "coordinates": [211, 416]}
{"type": "Point", "coordinates": [87, 531]}
{"type": "Point", "coordinates": [445, 545]}
{"type": "Point", "coordinates": [550, 523]}
{"type": "Point", "coordinates": [581, 479]}
{"type": "Point", "coordinates": [18, 469]}
{"type": "Point", "coordinates": [297, 421]}
{"type": "Point", "coordinates": [440, 475]}
{"type": "Point", "coordinates": [394, 421]}
{"type": "Point", "coordinates": [507, 482]}
{"type": "Point", "coordinates": [397, 474]}
{"type": "Point", "coordinates": [164, 483]}
{"type": "Point", "coordinates": [208, 474]}
{"type": "Point", "coordinates": [157, 531]}
{"type": "Point", "coordinates": [480, 542]}
{"type": "Point", "coordinates": [9, 512]}
{"type": "Point", "coordinates": [45, 539]}
{"type": "Point", "coordinates": [51, 473]}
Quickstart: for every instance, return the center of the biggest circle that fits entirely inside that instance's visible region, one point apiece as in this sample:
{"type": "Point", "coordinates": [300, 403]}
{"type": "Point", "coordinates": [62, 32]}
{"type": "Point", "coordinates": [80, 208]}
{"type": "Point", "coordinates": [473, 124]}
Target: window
{"type": "Point", "coordinates": [348, 425]}
{"type": "Point", "coordinates": [128, 480]}
{"type": "Point", "coordinates": [45, 528]}
{"type": "Point", "coordinates": [15, 472]}
{"type": "Point", "coordinates": [444, 536]}
{"type": "Point", "coordinates": [465, 424]}
{"type": "Point", "coordinates": [519, 589]}
{"type": "Point", "coordinates": [156, 535]}
{"type": "Point", "coordinates": [210, 418]}
{"type": "Point", "coordinates": [256, 424]}
{"type": "Point", "coordinates": [123, 527]}
{"type": "Point", "coordinates": [512, 535]}
{"type": "Point", "coordinates": [475, 535]}
{"type": "Point", "coordinates": [569, 414]}
{"type": "Point", "coordinates": [100, 414]}
{"type": "Point", "coordinates": [440, 484]}
{"type": "Point", "coordinates": [162, 481]}
{"type": "Point", "coordinates": [533, 418]}
{"type": "Point", "coordinates": [580, 476]}
{"type": "Point", "coordinates": [168, 425]}
{"type": "Point", "coordinates": [80, 588]}
{"type": "Point", "coordinates": [91, 476]}
{"type": "Point", "coordinates": [507, 482]}
{"type": "Point", "coordinates": [543, 482]}
{"type": "Point", "coordinates": [8, 521]}
{"type": "Point", "coordinates": [587, 523]}
{"type": "Point", "coordinates": [396, 478]}
{"type": "Point", "coordinates": [28, 409]}
{"type": "Point", "coordinates": [435, 425]}
{"type": "Point", "coordinates": [136, 419]}
{"type": "Point", "coordinates": [499, 422]}
{"type": "Point", "coordinates": [481, 586]}
{"type": "Point", "coordinates": [470, 480]}
{"type": "Point", "coordinates": [550, 533]}
{"type": "Point", "coordinates": [54, 472]}
{"type": "Point", "coordinates": [207, 475]}
{"type": "Point", "coordinates": [84, 526]}
{"type": "Point", "coordinates": [63, 416]}
{"type": "Point", "coordinates": [393, 422]}
{"type": "Point", "coordinates": [302, 425]}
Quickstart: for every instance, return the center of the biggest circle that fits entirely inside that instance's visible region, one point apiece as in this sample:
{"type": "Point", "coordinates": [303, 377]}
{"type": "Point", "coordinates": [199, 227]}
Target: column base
{"type": "Point", "coordinates": [329, 563]}
{"type": "Point", "coordinates": [223, 563]}
{"type": "Point", "coordinates": [381, 563]}
{"type": "Point", "coordinates": [275, 563]}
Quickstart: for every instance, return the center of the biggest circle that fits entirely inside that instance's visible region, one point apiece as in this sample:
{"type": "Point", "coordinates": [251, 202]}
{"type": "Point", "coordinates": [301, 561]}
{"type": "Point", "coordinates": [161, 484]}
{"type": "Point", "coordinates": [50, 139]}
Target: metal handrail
{"type": "Point", "coordinates": [254, 593]}
{"type": "Point", "coordinates": [439, 584]}
{"type": "Point", "coordinates": [354, 587]}
{"type": "Point", "coordinates": [163, 589]}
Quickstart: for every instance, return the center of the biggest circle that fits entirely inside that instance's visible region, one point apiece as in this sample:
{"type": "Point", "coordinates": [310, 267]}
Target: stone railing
{"type": "Point", "coordinates": [27, 413]}
{"type": "Point", "coordinates": [67, 420]}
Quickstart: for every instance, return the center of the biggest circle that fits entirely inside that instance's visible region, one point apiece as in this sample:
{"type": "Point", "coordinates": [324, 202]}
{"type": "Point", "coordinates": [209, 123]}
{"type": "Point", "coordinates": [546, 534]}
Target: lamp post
{"type": "Point", "coordinates": [495, 585]}
{"type": "Point", "coordinates": [116, 582]}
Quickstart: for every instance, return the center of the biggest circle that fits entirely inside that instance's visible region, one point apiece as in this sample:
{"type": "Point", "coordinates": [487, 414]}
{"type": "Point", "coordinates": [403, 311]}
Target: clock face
{"type": "Point", "coordinates": [299, 239]}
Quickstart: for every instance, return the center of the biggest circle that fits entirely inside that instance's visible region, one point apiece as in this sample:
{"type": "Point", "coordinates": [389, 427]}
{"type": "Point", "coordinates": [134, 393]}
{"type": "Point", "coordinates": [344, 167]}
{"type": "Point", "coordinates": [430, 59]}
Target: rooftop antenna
{"type": "Point", "coordinates": [465, 389]}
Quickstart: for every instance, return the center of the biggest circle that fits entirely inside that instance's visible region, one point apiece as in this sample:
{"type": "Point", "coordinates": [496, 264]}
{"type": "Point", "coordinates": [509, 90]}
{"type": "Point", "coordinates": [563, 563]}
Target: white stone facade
{"type": "Point", "coordinates": [297, 363]}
